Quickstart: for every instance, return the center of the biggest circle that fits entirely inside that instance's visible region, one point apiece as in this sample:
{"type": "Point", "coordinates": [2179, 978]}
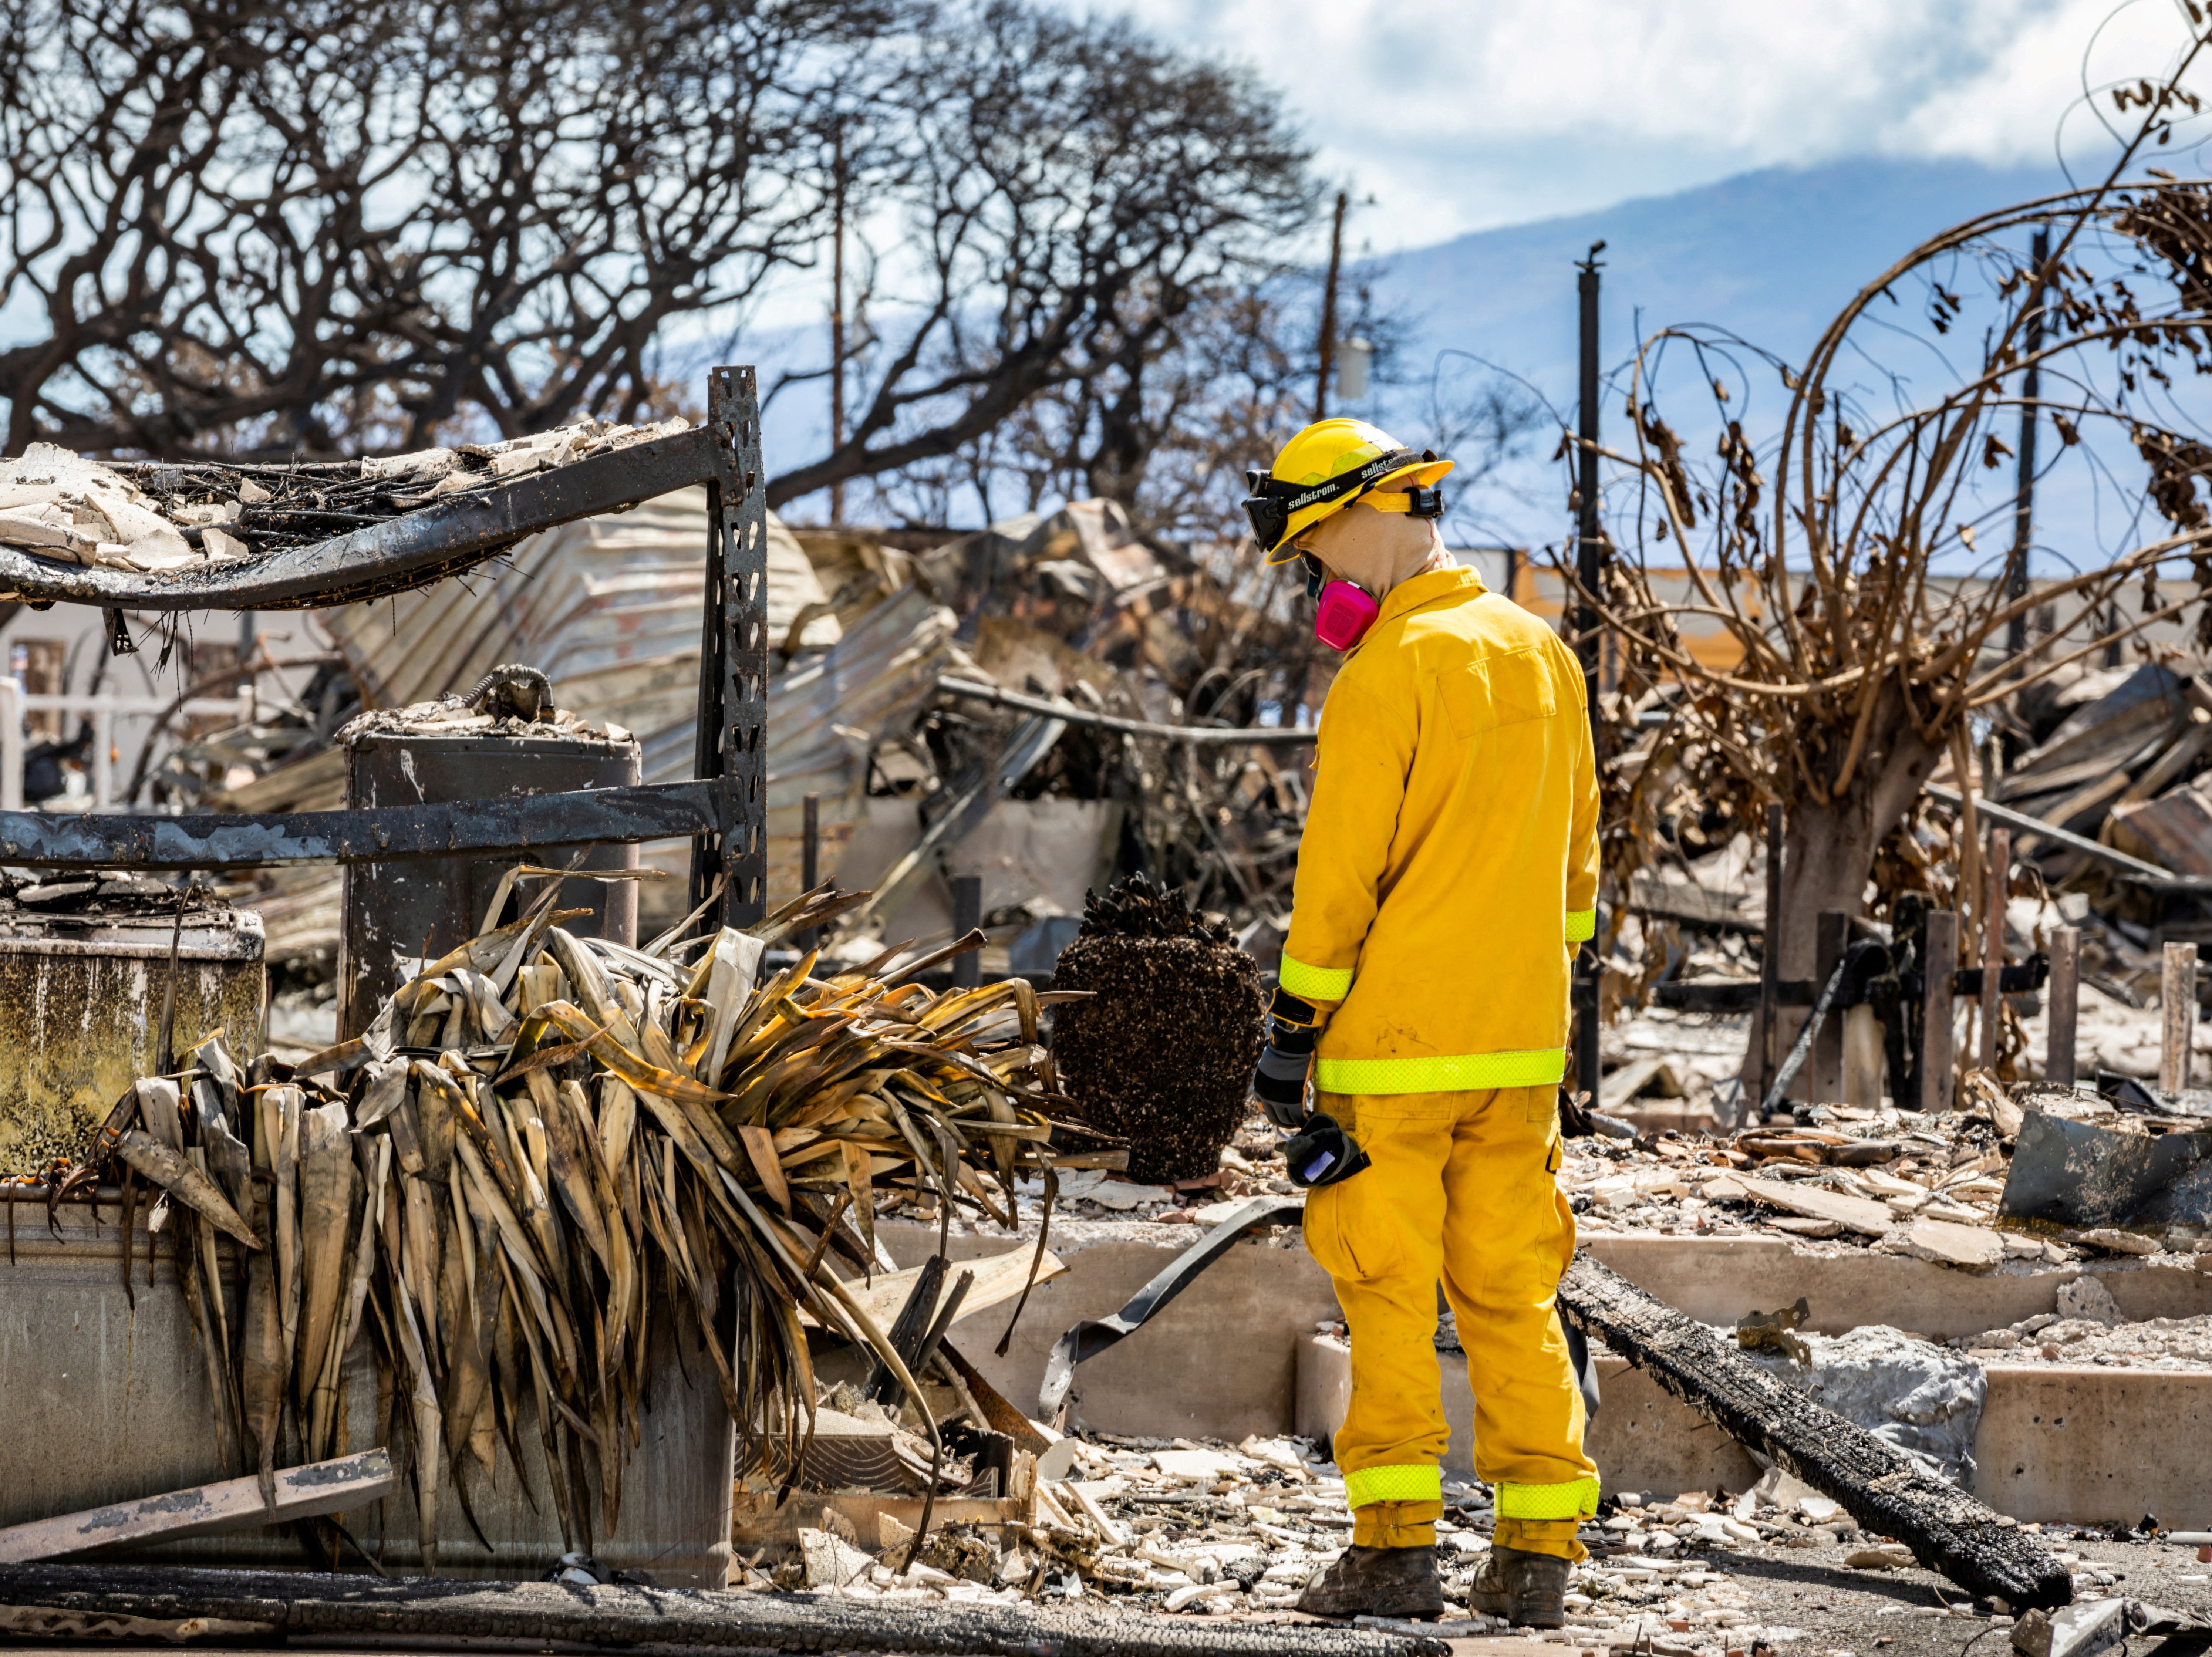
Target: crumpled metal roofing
{"type": "Point", "coordinates": [609, 609]}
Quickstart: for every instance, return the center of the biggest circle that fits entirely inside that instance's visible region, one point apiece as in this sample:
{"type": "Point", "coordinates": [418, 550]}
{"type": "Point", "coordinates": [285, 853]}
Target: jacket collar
{"type": "Point", "coordinates": [1458, 581]}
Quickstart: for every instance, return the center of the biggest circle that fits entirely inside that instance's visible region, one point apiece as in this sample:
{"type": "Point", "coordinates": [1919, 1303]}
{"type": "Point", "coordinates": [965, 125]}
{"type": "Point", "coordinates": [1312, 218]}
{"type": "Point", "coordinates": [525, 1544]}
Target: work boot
{"type": "Point", "coordinates": [1377, 1583]}
{"type": "Point", "coordinates": [1529, 1590]}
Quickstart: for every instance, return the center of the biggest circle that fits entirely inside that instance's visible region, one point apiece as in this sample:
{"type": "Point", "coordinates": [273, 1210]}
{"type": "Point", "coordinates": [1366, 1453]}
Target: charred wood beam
{"type": "Point", "coordinates": [1729, 995]}
{"type": "Point", "coordinates": [1878, 1484]}
{"type": "Point", "coordinates": [603, 815]}
{"type": "Point", "coordinates": [451, 535]}
{"type": "Point", "coordinates": [340, 1608]}
{"type": "Point", "coordinates": [324, 1487]}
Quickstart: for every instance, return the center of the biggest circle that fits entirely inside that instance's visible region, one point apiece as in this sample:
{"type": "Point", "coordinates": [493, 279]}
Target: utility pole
{"type": "Point", "coordinates": [2023, 512]}
{"type": "Point", "coordinates": [837, 320]}
{"type": "Point", "coordinates": [1584, 620]}
{"type": "Point", "coordinates": [1328, 310]}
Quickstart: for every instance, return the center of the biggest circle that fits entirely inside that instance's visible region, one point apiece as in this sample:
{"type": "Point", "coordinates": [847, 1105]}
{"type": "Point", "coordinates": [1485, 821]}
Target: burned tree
{"type": "Point", "coordinates": [1080, 200]}
{"type": "Point", "coordinates": [348, 225]}
{"type": "Point", "coordinates": [1814, 549]}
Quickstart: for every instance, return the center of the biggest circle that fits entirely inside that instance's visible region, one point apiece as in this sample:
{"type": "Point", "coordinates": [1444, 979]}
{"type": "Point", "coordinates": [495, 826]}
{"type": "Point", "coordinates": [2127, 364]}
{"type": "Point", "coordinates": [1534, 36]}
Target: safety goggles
{"type": "Point", "coordinates": [1272, 503]}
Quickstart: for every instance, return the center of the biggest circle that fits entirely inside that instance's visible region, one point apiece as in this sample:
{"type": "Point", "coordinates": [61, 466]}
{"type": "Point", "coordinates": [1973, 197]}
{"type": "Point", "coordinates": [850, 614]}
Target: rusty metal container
{"type": "Point", "coordinates": [391, 910]}
{"type": "Point", "coordinates": [81, 997]}
{"type": "Point", "coordinates": [108, 1401]}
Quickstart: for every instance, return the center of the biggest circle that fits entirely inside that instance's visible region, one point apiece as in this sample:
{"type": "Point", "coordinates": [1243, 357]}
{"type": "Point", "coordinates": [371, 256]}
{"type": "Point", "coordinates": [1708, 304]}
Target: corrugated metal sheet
{"type": "Point", "coordinates": [609, 609]}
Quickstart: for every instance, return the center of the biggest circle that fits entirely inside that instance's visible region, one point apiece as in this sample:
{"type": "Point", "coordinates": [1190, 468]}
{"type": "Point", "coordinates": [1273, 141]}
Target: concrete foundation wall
{"type": "Point", "coordinates": [105, 1402]}
{"type": "Point", "coordinates": [1220, 1362]}
{"type": "Point", "coordinates": [1235, 1355]}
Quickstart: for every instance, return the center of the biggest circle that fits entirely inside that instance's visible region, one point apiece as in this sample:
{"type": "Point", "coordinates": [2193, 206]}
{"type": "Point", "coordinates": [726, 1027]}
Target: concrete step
{"type": "Point", "coordinates": [2081, 1443]}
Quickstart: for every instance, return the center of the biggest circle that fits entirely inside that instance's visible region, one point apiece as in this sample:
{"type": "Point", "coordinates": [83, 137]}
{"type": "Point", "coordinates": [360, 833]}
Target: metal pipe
{"type": "Point", "coordinates": [103, 757]}
{"type": "Point", "coordinates": [2013, 819]}
{"type": "Point", "coordinates": [1279, 736]}
{"type": "Point", "coordinates": [1993, 931]}
{"type": "Point", "coordinates": [809, 861]}
{"type": "Point", "coordinates": [11, 745]}
{"type": "Point", "coordinates": [146, 840]}
{"type": "Point", "coordinates": [1769, 952]}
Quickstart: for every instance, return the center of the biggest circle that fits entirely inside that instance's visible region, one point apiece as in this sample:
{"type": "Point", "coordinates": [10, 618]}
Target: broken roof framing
{"type": "Point", "coordinates": [723, 809]}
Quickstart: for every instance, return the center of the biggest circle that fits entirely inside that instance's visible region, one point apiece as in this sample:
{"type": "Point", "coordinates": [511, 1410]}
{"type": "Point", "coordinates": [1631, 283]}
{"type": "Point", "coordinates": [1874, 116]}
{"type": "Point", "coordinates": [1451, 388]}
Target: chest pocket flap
{"type": "Point", "coordinates": [1495, 690]}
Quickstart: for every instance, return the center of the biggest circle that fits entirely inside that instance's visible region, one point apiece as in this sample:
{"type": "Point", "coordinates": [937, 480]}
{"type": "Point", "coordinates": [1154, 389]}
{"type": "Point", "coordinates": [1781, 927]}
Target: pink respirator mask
{"type": "Point", "coordinates": [1342, 612]}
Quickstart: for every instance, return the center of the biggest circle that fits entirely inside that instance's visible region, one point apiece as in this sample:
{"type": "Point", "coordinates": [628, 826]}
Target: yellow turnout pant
{"type": "Point", "coordinates": [1460, 1192]}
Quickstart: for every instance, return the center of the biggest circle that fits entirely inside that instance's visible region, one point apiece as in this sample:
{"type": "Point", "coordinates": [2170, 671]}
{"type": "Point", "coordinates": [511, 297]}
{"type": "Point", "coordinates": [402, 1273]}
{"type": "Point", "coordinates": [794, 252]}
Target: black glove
{"type": "Point", "coordinates": [1322, 1154]}
{"type": "Point", "coordinates": [1280, 1083]}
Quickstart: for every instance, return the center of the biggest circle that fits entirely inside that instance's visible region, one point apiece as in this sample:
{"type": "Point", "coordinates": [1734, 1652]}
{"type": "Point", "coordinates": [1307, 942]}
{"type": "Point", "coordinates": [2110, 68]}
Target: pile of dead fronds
{"type": "Point", "coordinates": [538, 1132]}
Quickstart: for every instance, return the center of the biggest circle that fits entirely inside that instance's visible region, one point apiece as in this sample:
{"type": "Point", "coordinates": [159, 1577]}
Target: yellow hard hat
{"type": "Point", "coordinates": [1327, 466]}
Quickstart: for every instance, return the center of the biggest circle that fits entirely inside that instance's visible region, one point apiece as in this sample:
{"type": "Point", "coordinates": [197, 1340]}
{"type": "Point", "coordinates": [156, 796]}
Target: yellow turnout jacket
{"type": "Point", "coordinates": [1449, 863]}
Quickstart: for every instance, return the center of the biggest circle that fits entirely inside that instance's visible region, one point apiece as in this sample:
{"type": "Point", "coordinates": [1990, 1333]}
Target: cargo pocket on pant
{"type": "Point", "coordinates": [1351, 1228]}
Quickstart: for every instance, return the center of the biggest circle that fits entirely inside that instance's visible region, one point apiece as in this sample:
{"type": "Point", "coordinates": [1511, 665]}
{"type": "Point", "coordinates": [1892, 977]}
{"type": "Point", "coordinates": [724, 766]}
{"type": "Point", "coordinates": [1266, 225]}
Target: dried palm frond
{"type": "Point", "coordinates": [540, 1136]}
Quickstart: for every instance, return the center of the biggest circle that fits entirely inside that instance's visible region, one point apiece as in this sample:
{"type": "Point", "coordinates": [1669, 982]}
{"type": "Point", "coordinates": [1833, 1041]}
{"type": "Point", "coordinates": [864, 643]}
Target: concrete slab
{"type": "Point", "coordinates": [1718, 1279]}
{"type": "Point", "coordinates": [2080, 1443]}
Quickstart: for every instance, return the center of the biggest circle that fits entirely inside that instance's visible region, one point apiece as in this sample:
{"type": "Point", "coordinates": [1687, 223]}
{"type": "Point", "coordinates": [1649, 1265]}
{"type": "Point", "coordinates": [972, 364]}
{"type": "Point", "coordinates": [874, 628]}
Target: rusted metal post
{"type": "Point", "coordinates": [1935, 1057]}
{"type": "Point", "coordinates": [734, 657]}
{"type": "Point", "coordinates": [2176, 1006]}
{"type": "Point", "coordinates": [967, 915]}
{"type": "Point", "coordinates": [2065, 1005]}
{"type": "Point", "coordinates": [2023, 515]}
{"type": "Point", "coordinates": [1825, 1083]}
{"type": "Point", "coordinates": [1770, 954]}
{"type": "Point", "coordinates": [1589, 967]}
{"type": "Point", "coordinates": [1993, 943]}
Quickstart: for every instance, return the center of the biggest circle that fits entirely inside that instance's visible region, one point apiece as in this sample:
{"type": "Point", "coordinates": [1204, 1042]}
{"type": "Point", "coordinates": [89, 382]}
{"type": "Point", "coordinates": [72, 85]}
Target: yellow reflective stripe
{"type": "Point", "coordinates": [1577, 1499]}
{"type": "Point", "coordinates": [1314, 983]}
{"type": "Point", "coordinates": [1416, 1482]}
{"type": "Point", "coordinates": [1582, 926]}
{"type": "Point", "coordinates": [1465, 1072]}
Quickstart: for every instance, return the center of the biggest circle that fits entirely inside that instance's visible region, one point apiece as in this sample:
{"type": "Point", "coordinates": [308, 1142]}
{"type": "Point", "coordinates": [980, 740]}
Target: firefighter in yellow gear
{"type": "Point", "coordinates": [1447, 875]}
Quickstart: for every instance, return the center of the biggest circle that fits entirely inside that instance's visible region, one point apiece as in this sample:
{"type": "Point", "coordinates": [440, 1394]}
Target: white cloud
{"type": "Point", "coordinates": [1459, 115]}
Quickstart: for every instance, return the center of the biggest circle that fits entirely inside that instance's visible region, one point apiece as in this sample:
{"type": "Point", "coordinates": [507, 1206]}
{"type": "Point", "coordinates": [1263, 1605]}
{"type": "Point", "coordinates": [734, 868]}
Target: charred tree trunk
{"type": "Point", "coordinates": [1828, 849]}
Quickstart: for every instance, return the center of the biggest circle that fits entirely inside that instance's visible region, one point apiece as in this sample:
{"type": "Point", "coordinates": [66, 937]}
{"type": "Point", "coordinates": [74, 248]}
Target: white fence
{"type": "Point", "coordinates": [102, 711]}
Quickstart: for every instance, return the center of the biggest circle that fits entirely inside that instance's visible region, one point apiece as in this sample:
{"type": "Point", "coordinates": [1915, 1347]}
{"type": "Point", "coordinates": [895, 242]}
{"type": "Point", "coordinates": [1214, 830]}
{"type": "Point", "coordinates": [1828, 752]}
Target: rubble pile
{"type": "Point", "coordinates": [2155, 1344]}
{"type": "Point", "coordinates": [1895, 1180]}
{"type": "Point", "coordinates": [1233, 1533]}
